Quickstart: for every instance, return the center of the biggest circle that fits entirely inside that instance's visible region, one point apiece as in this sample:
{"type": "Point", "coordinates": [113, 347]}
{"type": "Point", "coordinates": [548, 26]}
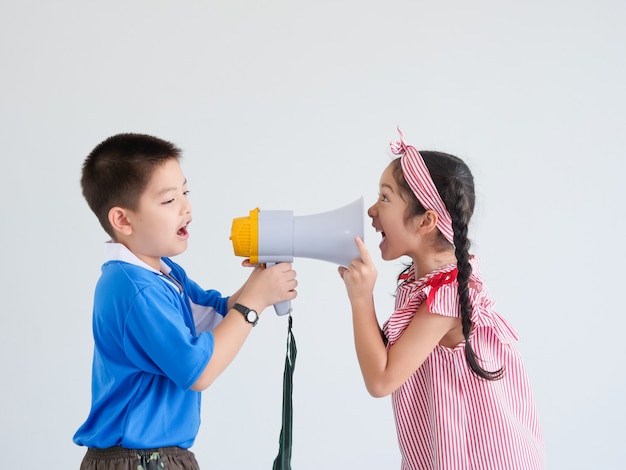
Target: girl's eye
{"type": "Point", "coordinates": [186, 193]}
{"type": "Point", "coordinates": [382, 198]}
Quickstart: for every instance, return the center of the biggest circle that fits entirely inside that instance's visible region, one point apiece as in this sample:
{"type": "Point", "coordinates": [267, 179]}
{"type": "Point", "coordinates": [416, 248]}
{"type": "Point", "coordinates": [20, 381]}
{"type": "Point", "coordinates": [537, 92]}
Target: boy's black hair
{"type": "Point", "coordinates": [455, 184]}
{"type": "Point", "coordinates": [118, 169]}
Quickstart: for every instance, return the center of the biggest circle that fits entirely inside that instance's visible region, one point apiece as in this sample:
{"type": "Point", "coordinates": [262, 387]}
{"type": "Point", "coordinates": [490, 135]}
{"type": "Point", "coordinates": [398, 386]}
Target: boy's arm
{"type": "Point", "coordinates": [228, 338]}
{"type": "Point", "coordinates": [264, 287]}
{"type": "Point", "coordinates": [232, 300]}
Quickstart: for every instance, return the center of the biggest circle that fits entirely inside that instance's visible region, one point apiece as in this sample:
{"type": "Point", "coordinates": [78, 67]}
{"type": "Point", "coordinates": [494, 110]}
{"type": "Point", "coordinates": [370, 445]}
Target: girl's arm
{"type": "Point", "coordinates": [384, 370]}
{"type": "Point", "coordinates": [407, 354]}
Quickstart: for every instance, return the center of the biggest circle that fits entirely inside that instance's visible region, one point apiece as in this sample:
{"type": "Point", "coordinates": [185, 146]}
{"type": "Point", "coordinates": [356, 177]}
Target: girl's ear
{"type": "Point", "coordinates": [118, 218]}
{"type": "Point", "coordinates": [428, 222]}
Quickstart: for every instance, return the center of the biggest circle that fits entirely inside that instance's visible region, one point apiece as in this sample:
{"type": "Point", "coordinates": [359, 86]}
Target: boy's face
{"type": "Point", "coordinates": [159, 225]}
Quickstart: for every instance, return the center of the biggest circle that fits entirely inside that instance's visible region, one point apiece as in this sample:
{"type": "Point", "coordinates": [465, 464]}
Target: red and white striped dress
{"type": "Point", "coordinates": [447, 417]}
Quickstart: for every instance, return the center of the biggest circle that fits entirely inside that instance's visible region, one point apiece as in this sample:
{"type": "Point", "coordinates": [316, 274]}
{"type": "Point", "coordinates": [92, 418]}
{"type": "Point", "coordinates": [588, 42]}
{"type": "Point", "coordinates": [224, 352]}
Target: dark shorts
{"type": "Point", "coordinates": [119, 458]}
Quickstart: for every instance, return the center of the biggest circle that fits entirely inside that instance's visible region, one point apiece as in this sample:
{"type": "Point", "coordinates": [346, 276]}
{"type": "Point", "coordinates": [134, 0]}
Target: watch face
{"type": "Point", "coordinates": [252, 316]}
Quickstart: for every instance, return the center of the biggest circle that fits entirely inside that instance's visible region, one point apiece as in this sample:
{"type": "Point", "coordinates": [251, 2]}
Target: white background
{"type": "Point", "coordinates": [290, 105]}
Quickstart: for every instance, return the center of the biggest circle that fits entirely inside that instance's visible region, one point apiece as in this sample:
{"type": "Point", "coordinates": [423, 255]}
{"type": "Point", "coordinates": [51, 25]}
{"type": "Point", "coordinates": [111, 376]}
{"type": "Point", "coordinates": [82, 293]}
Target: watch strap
{"type": "Point", "coordinates": [244, 311]}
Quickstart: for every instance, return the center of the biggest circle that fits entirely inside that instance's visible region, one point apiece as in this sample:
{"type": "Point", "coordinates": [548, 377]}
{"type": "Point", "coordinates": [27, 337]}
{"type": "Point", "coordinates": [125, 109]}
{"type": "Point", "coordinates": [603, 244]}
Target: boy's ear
{"type": "Point", "coordinates": [118, 218]}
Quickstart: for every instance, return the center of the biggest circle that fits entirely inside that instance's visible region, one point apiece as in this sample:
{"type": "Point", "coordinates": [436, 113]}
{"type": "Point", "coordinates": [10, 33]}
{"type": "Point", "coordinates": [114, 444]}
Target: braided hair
{"type": "Point", "coordinates": [455, 184]}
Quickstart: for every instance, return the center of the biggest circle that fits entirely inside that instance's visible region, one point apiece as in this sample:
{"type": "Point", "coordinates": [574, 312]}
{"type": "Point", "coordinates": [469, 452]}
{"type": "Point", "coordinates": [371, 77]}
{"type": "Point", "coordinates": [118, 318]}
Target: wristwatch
{"type": "Point", "coordinates": [250, 315]}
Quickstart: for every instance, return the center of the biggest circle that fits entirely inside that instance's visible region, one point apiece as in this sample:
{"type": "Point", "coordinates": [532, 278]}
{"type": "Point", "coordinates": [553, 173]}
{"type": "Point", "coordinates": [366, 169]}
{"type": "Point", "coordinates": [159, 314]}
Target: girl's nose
{"type": "Point", "coordinates": [371, 211]}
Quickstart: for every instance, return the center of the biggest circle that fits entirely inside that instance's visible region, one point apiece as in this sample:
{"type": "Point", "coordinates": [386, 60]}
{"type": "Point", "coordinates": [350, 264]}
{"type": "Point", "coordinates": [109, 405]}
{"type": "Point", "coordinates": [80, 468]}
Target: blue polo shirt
{"type": "Point", "coordinates": [152, 340]}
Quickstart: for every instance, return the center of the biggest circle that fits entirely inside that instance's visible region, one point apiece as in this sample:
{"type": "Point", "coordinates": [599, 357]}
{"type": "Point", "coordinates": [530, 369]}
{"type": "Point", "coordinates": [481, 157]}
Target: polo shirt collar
{"type": "Point", "coordinates": [118, 252]}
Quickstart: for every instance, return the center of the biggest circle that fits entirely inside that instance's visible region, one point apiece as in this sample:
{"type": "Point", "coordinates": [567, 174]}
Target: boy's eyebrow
{"type": "Point", "coordinates": [172, 188]}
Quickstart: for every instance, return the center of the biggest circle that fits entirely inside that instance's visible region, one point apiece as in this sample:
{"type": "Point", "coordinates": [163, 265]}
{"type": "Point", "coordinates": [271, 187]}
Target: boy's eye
{"type": "Point", "coordinates": [169, 201]}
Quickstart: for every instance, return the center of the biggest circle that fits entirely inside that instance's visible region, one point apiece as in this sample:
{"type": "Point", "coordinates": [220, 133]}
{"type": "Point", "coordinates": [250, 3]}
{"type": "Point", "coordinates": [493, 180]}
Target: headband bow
{"type": "Point", "coordinates": [421, 182]}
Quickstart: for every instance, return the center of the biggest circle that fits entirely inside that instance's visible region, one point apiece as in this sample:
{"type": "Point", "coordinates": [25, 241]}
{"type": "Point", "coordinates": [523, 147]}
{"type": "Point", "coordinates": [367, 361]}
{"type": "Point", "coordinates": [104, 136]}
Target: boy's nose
{"type": "Point", "coordinates": [187, 206]}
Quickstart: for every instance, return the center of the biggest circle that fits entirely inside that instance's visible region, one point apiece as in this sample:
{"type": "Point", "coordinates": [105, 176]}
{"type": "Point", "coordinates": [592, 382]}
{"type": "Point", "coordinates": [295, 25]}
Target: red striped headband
{"type": "Point", "coordinates": [417, 175]}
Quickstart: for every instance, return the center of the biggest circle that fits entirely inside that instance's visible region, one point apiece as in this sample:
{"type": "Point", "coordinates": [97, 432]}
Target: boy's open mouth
{"type": "Point", "coordinates": [183, 230]}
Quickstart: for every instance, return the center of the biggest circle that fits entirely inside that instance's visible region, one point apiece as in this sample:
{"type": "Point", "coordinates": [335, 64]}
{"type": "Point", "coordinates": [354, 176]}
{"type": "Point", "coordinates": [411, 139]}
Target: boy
{"type": "Point", "coordinates": [159, 338]}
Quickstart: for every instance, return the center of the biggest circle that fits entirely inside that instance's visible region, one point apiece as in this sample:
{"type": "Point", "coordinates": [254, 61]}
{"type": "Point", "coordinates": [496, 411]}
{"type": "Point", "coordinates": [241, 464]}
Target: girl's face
{"type": "Point", "coordinates": [159, 225]}
{"type": "Point", "coordinates": [388, 217]}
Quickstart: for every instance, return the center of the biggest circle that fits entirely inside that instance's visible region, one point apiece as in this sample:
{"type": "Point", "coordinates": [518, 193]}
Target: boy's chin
{"type": "Point", "coordinates": [178, 250]}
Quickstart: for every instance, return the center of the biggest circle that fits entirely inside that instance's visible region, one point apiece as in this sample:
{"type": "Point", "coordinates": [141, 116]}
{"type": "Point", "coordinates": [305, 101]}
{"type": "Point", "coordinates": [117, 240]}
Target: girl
{"type": "Point", "coordinates": [460, 394]}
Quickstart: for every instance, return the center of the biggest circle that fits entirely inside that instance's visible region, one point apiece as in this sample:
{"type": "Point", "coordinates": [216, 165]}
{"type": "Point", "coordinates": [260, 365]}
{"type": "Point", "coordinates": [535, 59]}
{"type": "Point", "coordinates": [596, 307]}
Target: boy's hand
{"type": "Point", "coordinates": [361, 275]}
{"type": "Point", "coordinates": [268, 286]}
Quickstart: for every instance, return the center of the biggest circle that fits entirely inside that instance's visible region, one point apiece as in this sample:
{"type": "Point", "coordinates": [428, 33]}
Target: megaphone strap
{"type": "Point", "coordinates": [283, 459]}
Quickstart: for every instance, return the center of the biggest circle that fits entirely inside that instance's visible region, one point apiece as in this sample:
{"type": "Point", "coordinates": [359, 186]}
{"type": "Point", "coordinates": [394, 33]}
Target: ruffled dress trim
{"type": "Point", "coordinates": [440, 291]}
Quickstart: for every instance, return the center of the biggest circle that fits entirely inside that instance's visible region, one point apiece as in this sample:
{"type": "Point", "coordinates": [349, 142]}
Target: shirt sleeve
{"type": "Point", "coordinates": [443, 300]}
{"type": "Point", "coordinates": [208, 307]}
{"type": "Point", "coordinates": [157, 340]}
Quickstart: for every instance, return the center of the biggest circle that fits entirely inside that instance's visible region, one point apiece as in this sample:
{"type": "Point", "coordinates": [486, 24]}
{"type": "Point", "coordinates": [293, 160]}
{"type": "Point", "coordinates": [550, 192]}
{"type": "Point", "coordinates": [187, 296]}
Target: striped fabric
{"type": "Point", "coordinates": [446, 417]}
{"type": "Point", "coordinates": [417, 175]}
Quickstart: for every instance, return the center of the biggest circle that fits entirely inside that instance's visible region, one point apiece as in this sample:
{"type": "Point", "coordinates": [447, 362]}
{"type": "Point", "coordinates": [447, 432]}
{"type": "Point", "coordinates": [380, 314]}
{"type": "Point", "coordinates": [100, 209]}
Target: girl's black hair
{"type": "Point", "coordinates": [455, 184]}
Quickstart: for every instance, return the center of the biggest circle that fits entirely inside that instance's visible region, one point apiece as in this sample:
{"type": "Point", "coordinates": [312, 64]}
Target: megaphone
{"type": "Point", "coordinates": [272, 237]}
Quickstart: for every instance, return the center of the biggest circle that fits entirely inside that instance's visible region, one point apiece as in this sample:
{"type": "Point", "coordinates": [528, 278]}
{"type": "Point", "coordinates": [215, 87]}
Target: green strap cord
{"type": "Point", "coordinates": [283, 459]}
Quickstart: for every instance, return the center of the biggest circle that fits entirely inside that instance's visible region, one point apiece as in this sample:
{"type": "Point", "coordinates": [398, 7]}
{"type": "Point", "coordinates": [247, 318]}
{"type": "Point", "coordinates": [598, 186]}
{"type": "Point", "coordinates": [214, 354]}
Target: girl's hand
{"type": "Point", "coordinates": [360, 276]}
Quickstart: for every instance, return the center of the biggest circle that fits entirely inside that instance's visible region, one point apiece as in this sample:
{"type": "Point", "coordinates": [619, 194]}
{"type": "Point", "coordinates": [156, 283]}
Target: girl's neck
{"type": "Point", "coordinates": [432, 261]}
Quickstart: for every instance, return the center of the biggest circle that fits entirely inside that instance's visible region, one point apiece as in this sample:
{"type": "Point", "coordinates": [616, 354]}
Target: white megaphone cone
{"type": "Point", "coordinates": [277, 236]}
